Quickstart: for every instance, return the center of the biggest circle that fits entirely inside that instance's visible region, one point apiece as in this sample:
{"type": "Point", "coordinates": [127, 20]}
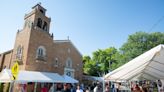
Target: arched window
{"type": "Point", "coordinates": [69, 63]}
{"type": "Point", "coordinates": [41, 53]}
{"type": "Point", "coordinates": [19, 52]}
{"type": "Point", "coordinates": [39, 23]}
{"type": "Point", "coordinates": [45, 26]}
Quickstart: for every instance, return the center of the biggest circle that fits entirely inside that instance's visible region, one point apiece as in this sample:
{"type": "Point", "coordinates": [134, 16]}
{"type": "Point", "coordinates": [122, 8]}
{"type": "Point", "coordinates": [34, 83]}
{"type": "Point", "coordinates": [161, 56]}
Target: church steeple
{"type": "Point", "coordinates": [37, 18]}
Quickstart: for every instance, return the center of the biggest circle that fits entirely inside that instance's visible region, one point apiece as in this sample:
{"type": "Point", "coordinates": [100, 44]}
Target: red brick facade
{"type": "Point", "coordinates": [36, 50]}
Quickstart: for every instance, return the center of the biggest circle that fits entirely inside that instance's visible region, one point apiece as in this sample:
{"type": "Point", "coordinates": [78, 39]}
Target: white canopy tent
{"type": "Point", "coordinates": [33, 76]}
{"type": "Point", "coordinates": [5, 76]}
{"type": "Point", "coordinates": [93, 78]}
{"type": "Point", "coordinates": [149, 66]}
{"type": "Point", "coordinates": [69, 79]}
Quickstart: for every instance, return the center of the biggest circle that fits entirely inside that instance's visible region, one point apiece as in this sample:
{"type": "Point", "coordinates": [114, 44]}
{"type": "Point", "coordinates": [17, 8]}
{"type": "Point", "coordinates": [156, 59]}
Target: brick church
{"type": "Point", "coordinates": [36, 50]}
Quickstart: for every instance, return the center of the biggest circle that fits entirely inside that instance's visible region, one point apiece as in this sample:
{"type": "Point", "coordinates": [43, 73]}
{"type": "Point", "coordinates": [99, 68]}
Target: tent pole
{"type": "Point", "coordinates": [129, 84]}
{"type": "Point", "coordinates": [103, 86]}
{"type": "Point", "coordinates": [53, 87]}
{"type": "Point", "coordinates": [11, 86]}
{"type": "Point", "coordinates": [35, 86]}
{"type": "Point", "coordinates": [103, 82]}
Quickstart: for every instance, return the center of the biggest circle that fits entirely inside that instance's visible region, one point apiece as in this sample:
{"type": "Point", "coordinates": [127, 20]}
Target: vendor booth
{"type": "Point", "coordinates": [34, 76]}
{"type": "Point", "coordinates": [147, 66]}
{"type": "Point", "coordinates": [34, 79]}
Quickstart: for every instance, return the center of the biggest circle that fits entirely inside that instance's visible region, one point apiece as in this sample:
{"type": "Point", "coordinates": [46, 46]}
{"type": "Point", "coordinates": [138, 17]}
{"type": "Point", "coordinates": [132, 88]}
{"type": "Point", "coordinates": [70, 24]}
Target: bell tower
{"type": "Point", "coordinates": [37, 18]}
{"type": "Point", "coordinates": [34, 42]}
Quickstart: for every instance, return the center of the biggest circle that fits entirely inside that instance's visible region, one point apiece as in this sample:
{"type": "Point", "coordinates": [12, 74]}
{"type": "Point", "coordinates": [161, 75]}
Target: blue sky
{"type": "Point", "coordinates": [90, 24]}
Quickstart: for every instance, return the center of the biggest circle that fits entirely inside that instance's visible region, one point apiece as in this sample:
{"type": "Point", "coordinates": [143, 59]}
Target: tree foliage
{"type": "Point", "coordinates": [105, 60]}
{"type": "Point", "coordinates": [139, 43]}
{"type": "Point", "coordinates": [101, 62]}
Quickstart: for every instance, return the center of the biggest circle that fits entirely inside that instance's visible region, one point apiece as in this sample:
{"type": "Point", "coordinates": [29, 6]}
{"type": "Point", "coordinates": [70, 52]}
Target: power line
{"type": "Point", "coordinates": [156, 24]}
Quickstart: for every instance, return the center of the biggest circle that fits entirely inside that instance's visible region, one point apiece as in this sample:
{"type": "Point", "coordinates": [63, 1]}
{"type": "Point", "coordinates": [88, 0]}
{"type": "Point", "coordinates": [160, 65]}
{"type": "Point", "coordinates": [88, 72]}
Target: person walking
{"type": "Point", "coordinates": [78, 89]}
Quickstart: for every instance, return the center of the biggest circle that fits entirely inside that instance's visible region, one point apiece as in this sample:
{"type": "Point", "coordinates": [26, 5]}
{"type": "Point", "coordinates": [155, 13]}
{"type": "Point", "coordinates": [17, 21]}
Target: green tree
{"type": "Point", "coordinates": [86, 58]}
{"type": "Point", "coordinates": [102, 61]}
{"type": "Point", "coordinates": [89, 66]}
{"type": "Point", "coordinates": [139, 43]}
